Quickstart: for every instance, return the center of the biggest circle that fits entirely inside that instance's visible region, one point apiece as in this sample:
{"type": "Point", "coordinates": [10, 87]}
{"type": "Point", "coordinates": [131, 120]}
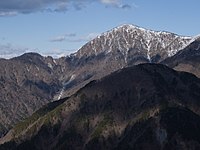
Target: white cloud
{"type": "Point", "coordinates": [116, 4]}
{"type": "Point", "coordinates": [61, 7]}
{"type": "Point", "coordinates": [58, 39]}
{"type": "Point", "coordinates": [8, 50]}
{"type": "Point", "coordinates": [113, 2]}
{"type": "Point", "coordinates": [90, 36]}
{"type": "Point", "coordinates": [10, 13]}
{"type": "Point", "coordinates": [62, 38]}
{"type": "Point", "coordinates": [14, 7]}
{"type": "Point", "coordinates": [74, 38]}
{"type": "Point", "coordinates": [84, 38]}
{"type": "Point", "coordinates": [57, 53]}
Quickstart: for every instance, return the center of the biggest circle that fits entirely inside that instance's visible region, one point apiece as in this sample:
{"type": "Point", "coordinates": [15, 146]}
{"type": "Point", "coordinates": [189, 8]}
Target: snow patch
{"type": "Point", "coordinates": [27, 68]}
{"type": "Point", "coordinates": [64, 86]}
{"type": "Point", "coordinates": [54, 61]}
{"type": "Point", "coordinates": [37, 68]}
{"type": "Point", "coordinates": [50, 66]}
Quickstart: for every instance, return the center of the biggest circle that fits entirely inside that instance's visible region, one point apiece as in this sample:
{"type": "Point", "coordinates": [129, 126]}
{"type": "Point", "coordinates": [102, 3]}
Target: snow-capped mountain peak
{"type": "Point", "coordinates": [126, 38]}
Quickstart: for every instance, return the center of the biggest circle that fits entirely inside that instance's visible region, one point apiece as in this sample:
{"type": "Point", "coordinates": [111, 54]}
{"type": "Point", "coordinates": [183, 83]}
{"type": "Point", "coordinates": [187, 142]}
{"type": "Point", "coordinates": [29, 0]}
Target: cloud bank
{"type": "Point", "coordinates": [62, 37]}
{"type": "Point", "coordinates": [14, 7]}
{"type": "Point", "coordinates": [72, 37]}
{"type": "Point", "coordinates": [8, 50]}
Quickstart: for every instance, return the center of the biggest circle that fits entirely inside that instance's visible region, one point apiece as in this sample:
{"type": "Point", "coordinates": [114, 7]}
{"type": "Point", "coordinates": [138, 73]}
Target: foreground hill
{"type": "Point", "coordinates": [148, 106]}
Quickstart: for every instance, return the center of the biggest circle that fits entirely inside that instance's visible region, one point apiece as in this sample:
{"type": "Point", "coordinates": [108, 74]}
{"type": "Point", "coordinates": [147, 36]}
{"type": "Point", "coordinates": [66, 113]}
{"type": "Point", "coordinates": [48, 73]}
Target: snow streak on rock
{"type": "Point", "coordinates": [64, 86]}
{"type": "Point", "coordinates": [126, 37]}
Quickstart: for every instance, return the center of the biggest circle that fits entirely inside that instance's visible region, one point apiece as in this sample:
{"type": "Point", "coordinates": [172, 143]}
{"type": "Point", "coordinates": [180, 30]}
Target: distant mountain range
{"type": "Point", "coordinates": [30, 81]}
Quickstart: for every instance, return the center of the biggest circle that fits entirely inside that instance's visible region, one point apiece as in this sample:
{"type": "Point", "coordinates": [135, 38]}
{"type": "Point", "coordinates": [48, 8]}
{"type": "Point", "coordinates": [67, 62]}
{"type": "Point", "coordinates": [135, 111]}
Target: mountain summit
{"type": "Point", "coordinates": [130, 40]}
{"type": "Point", "coordinates": [123, 46]}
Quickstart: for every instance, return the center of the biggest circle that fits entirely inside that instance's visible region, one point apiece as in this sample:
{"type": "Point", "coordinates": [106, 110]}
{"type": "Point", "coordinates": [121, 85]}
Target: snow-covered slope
{"type": "Point", "coordinates": [129, 37]}
{"type": "Point", "coordinates": [123, 46]}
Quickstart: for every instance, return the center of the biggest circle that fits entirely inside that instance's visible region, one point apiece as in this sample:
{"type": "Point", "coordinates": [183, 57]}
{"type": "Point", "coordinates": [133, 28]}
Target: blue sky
{"type": "Point", "coordinates": [61, 27]}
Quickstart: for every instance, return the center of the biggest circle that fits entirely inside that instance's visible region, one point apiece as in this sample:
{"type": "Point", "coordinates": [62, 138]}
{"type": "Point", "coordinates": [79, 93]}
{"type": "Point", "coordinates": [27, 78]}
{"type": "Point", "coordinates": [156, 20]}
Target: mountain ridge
{"type": "Point", "coordinates": [129, 48]}
{"type": "Point", "coordinates": [127, 31]}
{"type": "Point", "coordinates": [44, 79]}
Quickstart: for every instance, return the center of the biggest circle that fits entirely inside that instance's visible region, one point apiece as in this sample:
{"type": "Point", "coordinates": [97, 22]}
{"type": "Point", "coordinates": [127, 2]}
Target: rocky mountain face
{"type": "Point", "coordinates": [187, 59]}
{"type": "Point", "coordinates": [120, 47]}
{"type": "Point", "coordinates": [148, 106]}
{"type": "Point", "coordinates": [132, 41]}
{"type": "Point", "coordinates": [26, 83]}
{"type": "Point", "coordinates": [31, 80]}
